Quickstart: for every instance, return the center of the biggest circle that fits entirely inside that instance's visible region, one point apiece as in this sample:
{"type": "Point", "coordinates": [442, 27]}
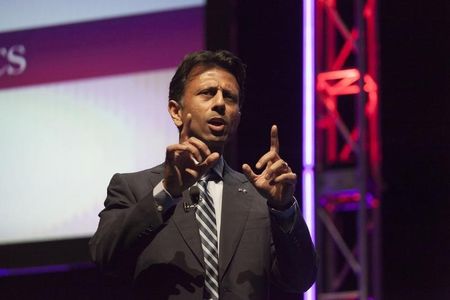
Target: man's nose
{"type": "Point", "coordinates": [219, 102]}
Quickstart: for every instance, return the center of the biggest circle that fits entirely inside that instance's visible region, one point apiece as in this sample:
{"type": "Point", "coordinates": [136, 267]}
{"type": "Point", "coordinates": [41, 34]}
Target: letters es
{"type": "Point", "coordinates": [12, 60]}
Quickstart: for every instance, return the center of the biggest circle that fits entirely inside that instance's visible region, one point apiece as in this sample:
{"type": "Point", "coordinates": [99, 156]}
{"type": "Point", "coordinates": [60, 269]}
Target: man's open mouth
{"type": "Point", "coordinates": [216, 124]}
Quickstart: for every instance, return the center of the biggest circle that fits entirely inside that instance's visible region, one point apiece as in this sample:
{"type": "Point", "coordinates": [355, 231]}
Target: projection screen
{"type": "Point", "coordinates": [83, 95]}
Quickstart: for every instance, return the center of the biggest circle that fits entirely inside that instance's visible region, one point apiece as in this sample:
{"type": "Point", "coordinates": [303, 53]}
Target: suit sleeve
{"type": "Point", "coordinates": [295, 261]}
{"type": "Point", "coordinates": [126, 225]}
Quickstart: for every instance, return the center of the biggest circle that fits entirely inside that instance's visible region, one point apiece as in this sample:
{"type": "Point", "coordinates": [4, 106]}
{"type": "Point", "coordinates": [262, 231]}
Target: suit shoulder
{"type": "Point", "coordinates": [143, 173]}
{"type": "Point", "coordinates": [146, 176]}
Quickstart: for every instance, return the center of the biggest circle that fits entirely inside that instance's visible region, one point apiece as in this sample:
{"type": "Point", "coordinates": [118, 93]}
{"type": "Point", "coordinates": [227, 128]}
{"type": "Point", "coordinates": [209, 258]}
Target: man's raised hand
{"type": "Point", "coordinates": [187, 161]}
{"type": "Point", "coordinates": [276, 182]}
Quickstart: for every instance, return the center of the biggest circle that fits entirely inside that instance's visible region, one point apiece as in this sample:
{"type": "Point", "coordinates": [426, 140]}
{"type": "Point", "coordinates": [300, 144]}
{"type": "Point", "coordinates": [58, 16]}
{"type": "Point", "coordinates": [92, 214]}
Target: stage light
{"type": "Point", "coordinates": [308, 123]}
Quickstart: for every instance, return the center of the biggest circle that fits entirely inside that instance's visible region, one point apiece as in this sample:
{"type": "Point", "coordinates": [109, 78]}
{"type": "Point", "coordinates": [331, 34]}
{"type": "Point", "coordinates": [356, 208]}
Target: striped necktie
{"type": "Point", "coordinates": [206, 217]}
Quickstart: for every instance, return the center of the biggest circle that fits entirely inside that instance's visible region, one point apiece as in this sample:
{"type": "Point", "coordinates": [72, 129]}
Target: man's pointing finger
{"type": "Point", "coordinates": [274, 142]}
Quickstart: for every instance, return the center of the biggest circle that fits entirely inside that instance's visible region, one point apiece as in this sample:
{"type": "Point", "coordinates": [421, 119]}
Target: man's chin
{"type": "Point", "coordinates": [216, 144]}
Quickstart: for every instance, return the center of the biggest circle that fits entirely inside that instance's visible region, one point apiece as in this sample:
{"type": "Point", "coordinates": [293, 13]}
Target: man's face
{"type": "Point", "coordinates": [211, 96]}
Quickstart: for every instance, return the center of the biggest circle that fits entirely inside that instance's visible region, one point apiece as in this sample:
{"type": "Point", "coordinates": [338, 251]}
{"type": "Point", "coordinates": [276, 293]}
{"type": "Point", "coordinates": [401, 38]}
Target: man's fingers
{"type": "Point", "coordinates": [288, 178]}
{"type": "Point", "coordinates": [274, 142]}
{"type": "Point", "coordinates": [274, 149]}
{"type": "Point", "coordinates": [202, 168]}
{"type": "Point", "coordinates": [269, 156]}
{"type": "Point", "coordinates": [207, 164]}
{"type": "Point", "coordinates": [185, 131]}
{"type": "Point", "coordinates": [249, 172]}
{"type": "Point", "coordinates": [198, 148]}
{"type": "Point", "coordinates": [177, 148]}
{"type": "Point", "coordinates": [195, 153]}
{"type": "Point", "coordinates": [277, 168]}
{"type": "Point", "coordinates": [192, 172]}
{"type": "Point", "coordinates": [201, 146]}
{"type": "Point", "coordinates": [172, 149]}
{"type": "Point", "coordinates": [211, 159]}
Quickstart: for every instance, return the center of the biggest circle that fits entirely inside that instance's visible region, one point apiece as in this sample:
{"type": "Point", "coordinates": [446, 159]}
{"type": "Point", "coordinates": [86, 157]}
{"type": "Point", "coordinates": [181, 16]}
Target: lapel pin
{"type": "Point", "coordinates": [242, 190]}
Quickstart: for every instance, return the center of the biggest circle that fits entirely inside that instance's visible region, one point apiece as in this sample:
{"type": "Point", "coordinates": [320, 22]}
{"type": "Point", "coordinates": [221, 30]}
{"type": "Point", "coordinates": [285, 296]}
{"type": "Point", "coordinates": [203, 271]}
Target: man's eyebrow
{"type": "Point", "coordinates": [207, 87]}
{"type": "Point", "coordinates": [230, 87]}
{"type": "Point", "coordinates": [217, 86]}
{"type": "Point", "coordinates": [230, 91]}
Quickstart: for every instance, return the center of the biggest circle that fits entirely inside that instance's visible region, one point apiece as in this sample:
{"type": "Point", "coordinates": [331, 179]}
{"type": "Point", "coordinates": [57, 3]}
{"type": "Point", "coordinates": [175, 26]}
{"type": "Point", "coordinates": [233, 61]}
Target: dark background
{"type": "Point", "coordinates": [414, 110]}
{"type": "Point", "coordinates": [415, 120]}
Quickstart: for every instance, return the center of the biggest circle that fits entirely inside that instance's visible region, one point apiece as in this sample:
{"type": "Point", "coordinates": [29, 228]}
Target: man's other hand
{"type": "Point", "coordinates": [187, 161]}
{"type": "Point", "coordinates": [276, 182]}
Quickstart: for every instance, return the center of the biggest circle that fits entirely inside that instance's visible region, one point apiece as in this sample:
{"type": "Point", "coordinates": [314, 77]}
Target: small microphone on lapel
{"type": "Point", "coordinates": [194, 194]}
{"type": "Point", "coordinates": [242, 190]}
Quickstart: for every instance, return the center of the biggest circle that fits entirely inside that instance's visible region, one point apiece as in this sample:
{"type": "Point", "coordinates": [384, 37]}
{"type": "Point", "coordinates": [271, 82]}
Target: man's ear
{"type": "Point", "coordinates": [238, 120]}
{"type": "Point", "coordinates": [175, 110]}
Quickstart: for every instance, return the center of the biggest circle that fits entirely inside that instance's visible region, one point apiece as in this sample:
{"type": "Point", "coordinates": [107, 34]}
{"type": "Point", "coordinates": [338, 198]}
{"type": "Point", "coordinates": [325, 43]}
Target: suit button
{"type": "Point", "coordinates": [146, 231]}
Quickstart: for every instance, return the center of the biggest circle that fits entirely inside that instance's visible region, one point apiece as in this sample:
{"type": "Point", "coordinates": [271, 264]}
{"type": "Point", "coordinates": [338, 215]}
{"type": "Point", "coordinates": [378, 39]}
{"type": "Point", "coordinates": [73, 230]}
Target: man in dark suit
{"type": "Point", "coordinates": [253, 238]}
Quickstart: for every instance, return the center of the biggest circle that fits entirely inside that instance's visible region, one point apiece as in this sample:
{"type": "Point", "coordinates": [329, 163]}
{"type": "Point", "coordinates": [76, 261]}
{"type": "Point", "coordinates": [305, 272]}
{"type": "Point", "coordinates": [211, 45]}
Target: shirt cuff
{"type": "Point", "coordinates": [164, 200]}
{"type": "Point", "coordinates": [286, 218]}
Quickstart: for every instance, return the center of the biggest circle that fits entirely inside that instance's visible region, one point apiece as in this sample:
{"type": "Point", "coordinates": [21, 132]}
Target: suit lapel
{"type": "Point", "coordinates": [188, 227]}
{"type": "Point", "coordinates": [185, 222]}
{"type": "Point", "coordinates": [235, 210]}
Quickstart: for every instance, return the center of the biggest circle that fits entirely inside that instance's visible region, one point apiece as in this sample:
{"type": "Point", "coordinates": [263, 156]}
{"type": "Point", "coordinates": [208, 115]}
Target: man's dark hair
{"type": "Point", "coordinates": [222, 58]}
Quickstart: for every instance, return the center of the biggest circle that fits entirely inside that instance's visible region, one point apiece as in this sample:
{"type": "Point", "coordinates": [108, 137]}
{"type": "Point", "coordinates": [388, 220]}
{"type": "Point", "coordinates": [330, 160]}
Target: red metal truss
{"type": "Point", "coordinates": [331, 85]}
{"type": "Point", "coordinates": [346, 35]}
{"type": "Point", "coordinates": [338, 77]}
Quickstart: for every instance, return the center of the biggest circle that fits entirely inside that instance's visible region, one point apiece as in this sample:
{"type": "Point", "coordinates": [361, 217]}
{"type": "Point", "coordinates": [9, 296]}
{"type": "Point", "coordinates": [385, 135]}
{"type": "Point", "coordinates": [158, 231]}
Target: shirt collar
{"type": "Point", "coordinates": [218, 167]}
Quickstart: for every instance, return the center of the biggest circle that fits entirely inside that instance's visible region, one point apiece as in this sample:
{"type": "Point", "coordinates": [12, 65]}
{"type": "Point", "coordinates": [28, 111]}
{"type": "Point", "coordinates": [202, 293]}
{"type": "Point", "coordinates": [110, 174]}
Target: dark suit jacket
{"type": "Point", "coordinates": [164, 253]}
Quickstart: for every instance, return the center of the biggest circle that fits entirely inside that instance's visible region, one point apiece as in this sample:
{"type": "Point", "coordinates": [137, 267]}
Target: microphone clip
{"type": "Point", "coordinates": [188, 206]}
{"type": "Point", "coordinates": [194, 194]}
